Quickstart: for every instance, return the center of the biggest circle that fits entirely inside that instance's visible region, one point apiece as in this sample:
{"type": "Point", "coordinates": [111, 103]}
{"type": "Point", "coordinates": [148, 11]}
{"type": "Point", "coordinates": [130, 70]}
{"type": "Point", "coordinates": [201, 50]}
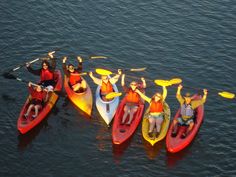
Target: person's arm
{"type": "Point", "coordinates": [164, 94]}
{"type": "Point", "coordinates": [123, 80]}
{"type": "Point", "coordinates": [80, 65]}
{"type": "Point", "coordinates": [114, 79]}
{"type": "Point", "coordinates": [30, 88]}
{"type": "Point", "coordinates": [95, 80]}
{"type": "Point", "coordinates": [33, 71]}
{"type": "Point", "coordinates": [144, 82]}
{"type": "Point", "coordinates": [64, 67]}
{"type": "Point", "coordinates": [53, 60]}
{"type": "Point", "coordinates": [143, 96]}
{"type": "Point", "coordinates": [179, 96]}
{"type": "Point", "coordinates": [196, 103]}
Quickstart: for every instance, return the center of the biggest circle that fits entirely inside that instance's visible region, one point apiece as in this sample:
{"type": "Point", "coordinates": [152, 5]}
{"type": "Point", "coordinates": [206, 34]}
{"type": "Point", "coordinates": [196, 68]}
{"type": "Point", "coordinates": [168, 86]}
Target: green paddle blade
{"type": "Point", "coordinates": [227, 95]}
{"type": "Point", "coordinates": [113, 95]}
{"type": "Point", "coordinates": [103, 72]}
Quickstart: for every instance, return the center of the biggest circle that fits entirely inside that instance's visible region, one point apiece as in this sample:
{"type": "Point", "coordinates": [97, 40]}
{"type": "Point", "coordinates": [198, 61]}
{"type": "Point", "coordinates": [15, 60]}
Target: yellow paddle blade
{"type": "Point", "coordinates": [227, 95]}
{"type": "Point", "coordinates": [98, 57]}
{"type": "Point", "coordinates": [103, 72]}
{"type": "Point", "coordinates": [113, 95]}
{"type": "Point", "coordinates": [162, 82]}
{"type": "Point", "coordinates": [175, 81]}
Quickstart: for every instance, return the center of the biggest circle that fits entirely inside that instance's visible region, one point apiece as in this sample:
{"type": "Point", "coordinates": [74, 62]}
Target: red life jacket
{"type": "Point", "coordinates": [36, 95]}
{"type": "Point", "coordinates": [156, 107]}
{"type": "Point", "coordinates": [132, 97]}
{"type": "Point", "coordinates": [46, 75]}
{"type": "Point", "coordinates": [74, 78]}
{"type": "Point", "coordinates": [106, 87]}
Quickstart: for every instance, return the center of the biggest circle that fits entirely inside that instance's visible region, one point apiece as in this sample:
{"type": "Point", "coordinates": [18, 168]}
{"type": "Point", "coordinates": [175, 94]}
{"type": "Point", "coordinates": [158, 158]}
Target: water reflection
{"type": "Point", "coordinates": [152, 151]}
{"type": "Point", "coordinates": [24, 140]}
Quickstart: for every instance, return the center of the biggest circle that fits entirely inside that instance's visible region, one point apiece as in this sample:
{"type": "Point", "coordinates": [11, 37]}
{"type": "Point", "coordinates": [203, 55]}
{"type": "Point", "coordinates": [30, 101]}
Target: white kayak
{"type": "Point", "coordinates": [107, 109]}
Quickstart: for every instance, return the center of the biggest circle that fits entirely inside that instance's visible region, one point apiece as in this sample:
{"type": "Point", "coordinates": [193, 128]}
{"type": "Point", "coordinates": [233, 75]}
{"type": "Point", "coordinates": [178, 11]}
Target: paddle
{"type": "Point", "coordinates": [223, 94]}
{"type": "Point", "coordinates": [11, 76]}
{"type": "Point", "coordinates": [22, 65]}
{"type": "Point", "coordinates": [112, 95]}
{"type": "Point", "coordinates": [101, 71]}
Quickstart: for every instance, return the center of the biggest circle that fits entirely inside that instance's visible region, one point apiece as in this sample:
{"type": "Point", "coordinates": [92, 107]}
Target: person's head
{"type": "Point", "coordinates": [71, 68]}
{"type": "Point", "coordinates": [39, 88]}
{"type": "Point", "coordinates": [104, 78]}
{"type": "Point", "coordinates": [45, 64]}
{"type": "Point", "coordinates": [157, 97]}
{"type": "Point", "coordinates": [133, 85]}
{"type": "Point", "coordinates": [187, 98]}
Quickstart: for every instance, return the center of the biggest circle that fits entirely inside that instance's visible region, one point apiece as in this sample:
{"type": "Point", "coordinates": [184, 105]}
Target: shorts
{"type": "Point", "coordinates": [181, 121]}
{"type": "Point", "coordinates": [159, 116]}
{"type": "Point", "coordinates": [49, 88]}
{"type": "Point", "coordinates": [36, 102]}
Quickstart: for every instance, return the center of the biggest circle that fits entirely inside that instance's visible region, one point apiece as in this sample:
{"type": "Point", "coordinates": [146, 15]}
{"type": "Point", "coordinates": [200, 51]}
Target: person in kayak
{"type": "Point", "coordinates": [156, 111]}
{"type": "Point", "coordinates": [132, 97]}
{"type": "Point", "coordinates": [38, 96]}
{"type": "Point", "coordinates": [187, 106]}
{"type": "Point", "coordinates": [75, 80]}
{"type": "Point", "coordinates": [105, 83]}
{"type": "Point", "coordinates": [46, 72]}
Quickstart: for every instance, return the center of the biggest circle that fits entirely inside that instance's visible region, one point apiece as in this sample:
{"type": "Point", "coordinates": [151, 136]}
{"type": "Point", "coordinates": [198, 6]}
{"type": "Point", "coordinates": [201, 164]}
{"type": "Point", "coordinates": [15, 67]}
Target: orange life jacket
{"type": "Point", "coordinates": [106, 87]}
{"type": "Point", "coordinates": [156, 107]}
{"type": "Point", "coordinates": [46, 75]}
{"type": "Point", "coordinates": [75, 78]}
{"type": "Point", "coordinates": [132, 97]}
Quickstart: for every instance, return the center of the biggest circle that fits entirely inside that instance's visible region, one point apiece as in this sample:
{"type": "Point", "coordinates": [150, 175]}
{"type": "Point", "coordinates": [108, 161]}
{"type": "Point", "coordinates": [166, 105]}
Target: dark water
{"type": "Point", "coordinates": [191, 40]}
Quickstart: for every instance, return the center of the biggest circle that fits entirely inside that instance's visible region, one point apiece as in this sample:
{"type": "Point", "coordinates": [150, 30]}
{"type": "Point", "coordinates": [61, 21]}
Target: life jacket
{"type": "Point", "coordinates": [74, 78]}
{"type": "Point", "coordinates": [36, 95]}
{"type": "Point", "coordinates": [156, 107]}
{"type": "Point", "coordinates": [46, 75]}
{"type": "Point", "coordinates": [186, 111]}
{"type": "Point", "coordinates": [106, 87]}
{"type": "Point", "coordinates": [132, 96]}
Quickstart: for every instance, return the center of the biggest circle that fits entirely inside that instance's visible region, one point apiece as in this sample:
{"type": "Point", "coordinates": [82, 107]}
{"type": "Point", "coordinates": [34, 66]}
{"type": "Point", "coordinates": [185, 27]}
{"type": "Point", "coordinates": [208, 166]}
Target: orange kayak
{"type": "Point", "coordinates": [24, 125]}
{"type": "Point", "coordinates": [84, 100]}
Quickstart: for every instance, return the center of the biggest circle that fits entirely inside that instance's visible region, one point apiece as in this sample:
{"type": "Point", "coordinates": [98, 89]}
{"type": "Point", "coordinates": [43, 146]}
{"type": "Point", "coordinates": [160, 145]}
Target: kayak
{"type": "Point", "coordinates": [107, 109]}
{"type": "Point", "coordinates": [164, 126]}
{"type": "Point", "coordinates": [24, 125]}
{"type": "Point", "coordinates": [83, 100]}
{"type": "Point", "coordinates": [121, 133]}
{"type": "Point", "coordinates": [175, 144]}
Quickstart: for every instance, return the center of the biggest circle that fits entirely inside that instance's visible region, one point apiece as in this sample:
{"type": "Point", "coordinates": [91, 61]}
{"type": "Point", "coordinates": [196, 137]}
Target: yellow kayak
{"type": "Point", "coordinates": [164, 127]}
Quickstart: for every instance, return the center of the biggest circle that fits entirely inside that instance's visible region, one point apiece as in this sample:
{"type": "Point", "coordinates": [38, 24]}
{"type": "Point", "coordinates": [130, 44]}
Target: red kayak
{"type": "Point", "coordinates": [120, 133]}
{"type": "Point", "coordinates": [24, 125]}
{"type": "Point", "coordinates": [175, 144]}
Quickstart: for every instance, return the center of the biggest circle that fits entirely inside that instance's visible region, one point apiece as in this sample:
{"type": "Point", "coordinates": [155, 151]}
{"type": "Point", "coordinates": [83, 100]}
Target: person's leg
{"type": "Point", "coordinates": [151, 124]}
{"type": "Point", "coordinates": [76, 87]}
{"type": "Point", "coordinates": [36, 108]}
{"type": "Point", "coordinates": [83, 84]}
{"type": "Point", "coordinates": [29, 110]}
{"type": "Point", "coordinates": [132, 112]}
{"type": "Point", "coordinates": [176, 126]}
{"type": "Point", "coordinates": [190, 124]}
{"type": "Point", "coordinates": [126, 112]}
{"type": "Point", "coordinates": [158, 122]}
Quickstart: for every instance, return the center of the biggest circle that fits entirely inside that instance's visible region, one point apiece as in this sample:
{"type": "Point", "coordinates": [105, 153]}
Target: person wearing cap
{"type": "Point", "coordinates": [105, 83]}
{"type": "Point", "coordinates": [132, 98]}
{"type": "Point", "coordinates": [156, 111]}
{"type": "Point", "coordinates": [46, 72]}
{"type": "Point", "coordinates": [187, 106]}
{"type": "Point", "coordinates": [75, 80]}
{"type": "Point", "coordinates": [37, 94]}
